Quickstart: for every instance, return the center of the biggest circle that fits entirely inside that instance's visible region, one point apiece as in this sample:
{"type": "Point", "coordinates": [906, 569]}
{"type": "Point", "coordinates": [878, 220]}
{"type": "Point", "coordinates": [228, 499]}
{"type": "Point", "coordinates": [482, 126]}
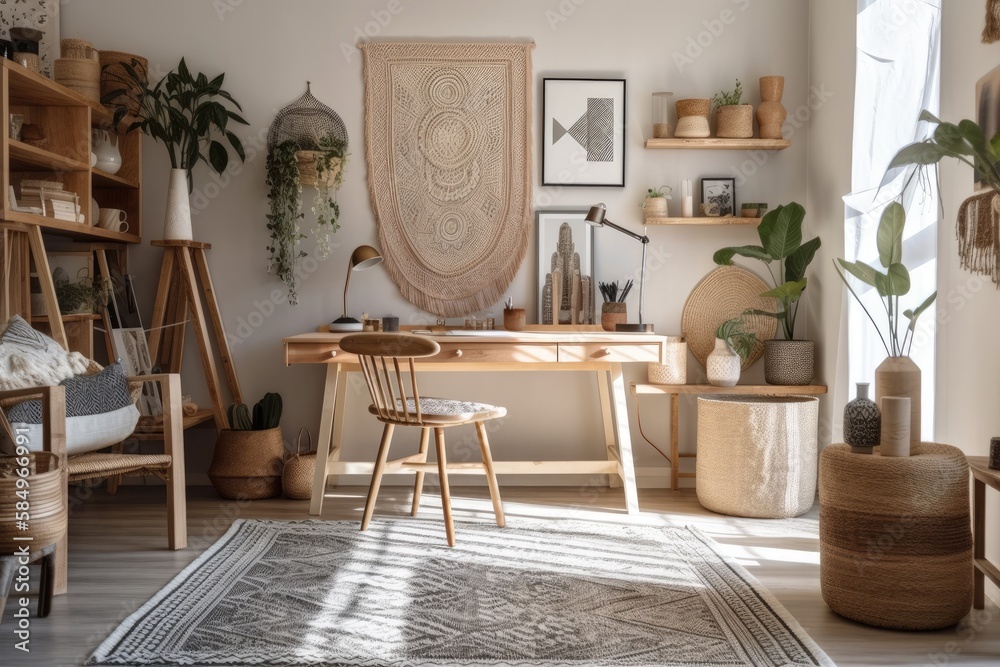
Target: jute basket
{"type": "Point", "coordinates": [297, 474]}
{"type": "Point", "coordinates": [894, 538]}
{"type": "Point", "coordinates": [246, 465]}
{"type": "Point", "coordinates": [77, 49]}
{"type": "Point", "coordinates": [80, 76]}
{"type": "Point", "coordinates": [674, 368]}
{"type": "Point", "coordinates": [307, 169]}
{"type": "Point", "coordinates": [693, 107]}
{"type": "Point", "coordinates": [115, 77]}
{"type": "Point", "coordinates": [734, 121]}
{"type": "Point", "coordinates": [47, 522]}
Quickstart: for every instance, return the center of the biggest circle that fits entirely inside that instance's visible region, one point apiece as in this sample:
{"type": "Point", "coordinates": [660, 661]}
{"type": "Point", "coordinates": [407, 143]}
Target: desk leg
{"type": "Point", "coordinates": [675, 441]}
{"type": "Point", "coordinates": [603, 378]}
{"type": "Point", "coordinates": [340, 402]}
{"type": "Point", "coordinates": [623, 437]}
{"type": "Point", "coordinates": [979, 541]}
{"type": "Point", "coordinates": [325, 435]}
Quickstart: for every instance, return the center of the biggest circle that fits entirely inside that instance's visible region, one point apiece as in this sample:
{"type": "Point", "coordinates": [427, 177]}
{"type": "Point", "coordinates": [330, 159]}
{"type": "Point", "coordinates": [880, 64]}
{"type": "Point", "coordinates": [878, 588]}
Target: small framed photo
{"type": "Point", "coordinates": [583, 132]}
{"type": "Point", "coordinates": [718, 197]}
{"type": "Point", "coordinates": [565, 267]}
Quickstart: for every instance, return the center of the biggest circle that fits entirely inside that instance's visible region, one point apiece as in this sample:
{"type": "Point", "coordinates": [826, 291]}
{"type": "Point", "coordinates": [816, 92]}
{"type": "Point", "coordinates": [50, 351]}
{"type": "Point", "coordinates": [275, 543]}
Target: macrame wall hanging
{"type": "Point", "coordinates": [991, 32]}
{"type": "Point", "coordinates": [448, 146]}
{"type": "Point", "coordinates": [978, 233]}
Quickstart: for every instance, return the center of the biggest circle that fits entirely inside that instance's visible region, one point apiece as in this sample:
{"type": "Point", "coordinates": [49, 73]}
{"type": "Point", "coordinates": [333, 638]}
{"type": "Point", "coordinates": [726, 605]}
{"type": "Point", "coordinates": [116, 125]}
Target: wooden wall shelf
{"type": "Point", "coordinates": [25, 157]}
{"type": "Point", "coordinates": [73, 230]}
{"type": "Point", "coordinates": [103, 179]}
{"type": "Point", "coordinates": [702, 221]}
{"type": "Point", "coordinates": [758, 389]}
{"type": "Point", "coordinates": [714, 143]}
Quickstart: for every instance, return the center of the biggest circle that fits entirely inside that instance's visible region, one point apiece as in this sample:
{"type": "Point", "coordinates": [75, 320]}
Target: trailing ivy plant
{"type": "Point", "coordinates": [332, 159]}
{"type": "Point", "coordinates": [285, 197]}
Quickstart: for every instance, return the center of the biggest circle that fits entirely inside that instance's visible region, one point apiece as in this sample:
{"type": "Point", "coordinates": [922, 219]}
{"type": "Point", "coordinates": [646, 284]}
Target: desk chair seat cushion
{"type": "Point", "coordinates": [32, 359]}
{"type": "Point", "coordinates": [87, 433]}
{"type": "Point", "coordinates": [445, 410]}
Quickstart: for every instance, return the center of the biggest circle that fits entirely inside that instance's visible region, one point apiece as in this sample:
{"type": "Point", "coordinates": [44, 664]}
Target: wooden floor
{"type": "Point", "coordinates": [118, 560]}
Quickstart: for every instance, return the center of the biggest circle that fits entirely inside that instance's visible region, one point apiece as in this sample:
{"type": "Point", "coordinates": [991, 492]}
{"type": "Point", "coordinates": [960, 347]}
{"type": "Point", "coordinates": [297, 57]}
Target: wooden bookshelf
{"type": "Point", "coordinates": [716, 144]}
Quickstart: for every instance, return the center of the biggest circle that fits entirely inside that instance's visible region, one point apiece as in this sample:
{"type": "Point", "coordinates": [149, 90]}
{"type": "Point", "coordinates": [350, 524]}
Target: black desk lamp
{"type": "Point", "coordinates": [596, 218]}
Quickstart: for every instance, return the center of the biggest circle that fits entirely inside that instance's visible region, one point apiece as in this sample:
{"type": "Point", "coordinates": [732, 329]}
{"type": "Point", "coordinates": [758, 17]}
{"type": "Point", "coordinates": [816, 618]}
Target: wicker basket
{"type": "Point", "coordinates": [45, 484]}
{"type": "Point", "coordinates": [300, 468]}
{"type": "Point", "coordinates": [246, 465]}
{"type": "Point", "coordinates": [78, 49]}
{"type": "Point", "coordinates": [734, 121]}
{"type": "Point", "coordinates": [613, 313]}
{"type": "Point", "coordinates": [80, 76]}
{"type": "Point", "coordinates": [693, 107]}
{"type": "Point", "coordinates": [114, 77]}
{"type": "Point", "coordinates": [307, 169]}
{"type": "Point", "coordinates": [674, 368]}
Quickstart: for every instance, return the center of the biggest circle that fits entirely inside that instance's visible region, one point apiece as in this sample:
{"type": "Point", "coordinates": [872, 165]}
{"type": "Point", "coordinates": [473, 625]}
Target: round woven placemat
{"type": "Point", "coordinates": [722, 295]}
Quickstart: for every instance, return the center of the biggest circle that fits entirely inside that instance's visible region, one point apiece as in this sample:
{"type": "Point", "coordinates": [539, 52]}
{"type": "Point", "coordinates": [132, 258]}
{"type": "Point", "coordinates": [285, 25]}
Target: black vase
{"type": "Point", "coordinates": [862, 422]}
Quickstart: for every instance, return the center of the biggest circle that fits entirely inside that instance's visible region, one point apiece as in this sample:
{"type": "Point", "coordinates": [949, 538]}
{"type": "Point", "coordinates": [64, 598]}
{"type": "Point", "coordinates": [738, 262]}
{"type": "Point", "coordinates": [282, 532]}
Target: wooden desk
{"type": "Point", "coordinates": [674, 391]}
{"type": "Point", "coordinates": [591, 351]}
{"type": "Point", "coordinates": [983, 475]}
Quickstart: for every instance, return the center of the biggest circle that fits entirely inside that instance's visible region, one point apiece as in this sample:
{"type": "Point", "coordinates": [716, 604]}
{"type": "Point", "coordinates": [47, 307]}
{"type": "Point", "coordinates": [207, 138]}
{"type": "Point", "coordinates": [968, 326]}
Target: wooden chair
{"type": "Point", "coordinates": [385, 358]}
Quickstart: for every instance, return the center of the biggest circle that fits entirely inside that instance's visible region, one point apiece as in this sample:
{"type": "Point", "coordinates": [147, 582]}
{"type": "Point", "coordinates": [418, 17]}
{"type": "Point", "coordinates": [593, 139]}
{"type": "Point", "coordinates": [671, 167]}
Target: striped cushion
{"type": "Point", "coordinates": [85, 395]}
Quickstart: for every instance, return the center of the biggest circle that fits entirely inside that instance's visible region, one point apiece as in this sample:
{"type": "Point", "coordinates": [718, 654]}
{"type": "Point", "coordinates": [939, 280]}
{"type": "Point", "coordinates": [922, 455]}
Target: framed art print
{"type": "Point", "coordinates": [583, 132]}
{"type": "Point", "coordinates": [565, 287]}
{"type": "Point", "coordinates": [718, 197]}
{"type": "Point", "coordinates": [988, 108]}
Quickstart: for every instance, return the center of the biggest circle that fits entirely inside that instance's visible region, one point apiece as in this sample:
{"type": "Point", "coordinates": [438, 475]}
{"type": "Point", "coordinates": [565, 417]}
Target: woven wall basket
{"type": "Point", "coordinates": [47, 522]}
{"type": "Point", "coordinates": [448, 145]}
{"type": "Point", "coordinates": [308, 176]}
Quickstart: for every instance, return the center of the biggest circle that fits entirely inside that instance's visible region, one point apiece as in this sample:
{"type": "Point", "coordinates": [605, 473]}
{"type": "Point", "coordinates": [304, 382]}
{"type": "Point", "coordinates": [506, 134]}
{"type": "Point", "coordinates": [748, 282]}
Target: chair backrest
{"type": "Point", "coordinates": [379, 355]}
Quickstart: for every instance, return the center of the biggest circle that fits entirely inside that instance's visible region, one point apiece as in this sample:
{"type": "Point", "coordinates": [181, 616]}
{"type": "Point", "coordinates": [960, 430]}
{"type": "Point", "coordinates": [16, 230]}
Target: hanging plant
{"type": "Point", "coordinates": [285, 197]}
{"type": "Point", "coordinates": [331, 161]}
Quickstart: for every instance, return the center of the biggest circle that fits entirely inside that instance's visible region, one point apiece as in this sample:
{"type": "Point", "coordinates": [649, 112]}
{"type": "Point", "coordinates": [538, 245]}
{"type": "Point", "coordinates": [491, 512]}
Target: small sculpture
{"type": "Point", "coordinates": [567, 297]}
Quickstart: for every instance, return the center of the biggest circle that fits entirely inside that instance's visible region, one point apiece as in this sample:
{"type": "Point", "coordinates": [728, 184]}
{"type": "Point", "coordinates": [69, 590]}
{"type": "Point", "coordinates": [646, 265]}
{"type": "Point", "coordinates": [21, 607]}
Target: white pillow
{"type": "Point", "coordinates": [89, 433]}
{"type": "Point", "coordinates": [31, 359]}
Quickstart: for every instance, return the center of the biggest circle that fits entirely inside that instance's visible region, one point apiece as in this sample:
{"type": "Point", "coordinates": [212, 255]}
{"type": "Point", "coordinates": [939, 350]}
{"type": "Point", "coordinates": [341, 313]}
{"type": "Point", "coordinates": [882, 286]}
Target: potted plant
{"type": "Point", "coordinates": [85, 296]}
{"type": "Point", "coordinates": [246, 464]}
{"type": "Point", "coordinates": [188, 113]}
{"type": "Point", "coordinates": [292, 165]}
{"type": "Point", "coordinates": [898, 375]}
{"type": "Point", "coordinates": [788, 361]}
{"type": "Point", "coordinates": [733, 344]}
{"type": "Point", "coordinates": [732, 119]}
{"type": "Point", "coordinates": [654, 205]}
{"type": "Point", "coordinates": [614, 311]}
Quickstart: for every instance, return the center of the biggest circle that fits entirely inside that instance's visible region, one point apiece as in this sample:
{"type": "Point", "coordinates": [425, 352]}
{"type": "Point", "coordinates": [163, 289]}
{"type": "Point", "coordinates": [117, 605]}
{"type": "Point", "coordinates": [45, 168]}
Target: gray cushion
{"type": "Point", "coordinates": [85, 395]}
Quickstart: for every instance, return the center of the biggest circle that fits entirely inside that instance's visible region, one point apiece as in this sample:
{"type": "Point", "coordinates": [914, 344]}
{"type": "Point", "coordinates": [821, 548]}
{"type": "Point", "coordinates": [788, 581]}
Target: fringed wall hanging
{"type": "Point", "coordinates": [991, 32]}
{"type": "Point", "coordinates": [978, 233]}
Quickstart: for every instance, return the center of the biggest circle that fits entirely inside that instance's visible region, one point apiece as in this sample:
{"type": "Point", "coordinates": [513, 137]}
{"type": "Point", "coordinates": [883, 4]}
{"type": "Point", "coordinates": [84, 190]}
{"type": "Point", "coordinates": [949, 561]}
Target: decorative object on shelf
{"type": "Point", "coordinates": [994, 462]}
{"type": "Point", "coordinates": [566, 267]}
{"type": "Point", "coordinates": [79, 69]}
{"type": "Point", "coordinates": [898, 375]}
{"type": "Point", "coordinates": [991, 31]}
{"type": "Point", "coordinates": [370, 324]}
{"type": "Point", "coordinates": [514, 319]}
{"type": "Point", "coordinates": [661, 115]}
{"type": "Point", "coordinates": [187, 113]}
{"type": "Point", "coordinates": [673, 370]}
{"type": "Point", "coordinates": [34, 135]}
{"type": "Point", "coordinates": [40, 14]}
{"type": "Point", "coordinates": [687, 199]}
{"type": "Point", "coordinates": [307, 147]}
{"type": "Point", "coordinates": [76, 289]}
{"type": "Point", "coordinates": [862, 422]}
{"type": "Point", "coordinates": [895, 433]}
{"type": "Point", "coordinates": [725, 293]}
{"type": "Point", "coordinates": [614, 310]}
{"type": "Point", "coordinates": [711, 211]}
{"type": "Point", "coordinates": [733, 345]}
{"type": "Point", "coordinates": [16, 123]}
{"type": "Point", "coordinates": [596, 218]}
{"type": "Point", "coordinates": [390, 323]}
{"type": "Point", "coordinates": [105, 147]}
{"type": "Point", "coordinates": [123, 78]}
{"type": "Point", "coordinates": [583, 132]}
{"type": "Point", "coordinates": [246, 464]}
{"type": "Point", "coordinates": [692, 119]}
{"type": "Point", "coordinates": [721, 192]}
{"type": "Point", "coordinates": [27, 47]}
{"type": "Point", "coordinates": [451, 194]}
{"type": "Point", "coordinates": [113, 219]}
{"type": "Point", "coordinates": [753, 210]}
{"type": "Point", "coordinates": [733, 120]}
{"type": "Point", "coordinates": [7, 49]}
{"type": "Point", "coordinates": [363, 257]}
{"type": "Point", "coordinates": [771, 114]}
{"type": "Point", "coordinates": [654, 204]}
{"type": "Point", "coordinates": [299, 469]}
{"type": "Point", "coordinates": [787, 362]}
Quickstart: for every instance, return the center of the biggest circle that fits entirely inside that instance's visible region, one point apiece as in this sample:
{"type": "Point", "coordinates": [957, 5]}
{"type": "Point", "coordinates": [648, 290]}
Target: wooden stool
{"type": "Point", "coordinates": [895, 540]}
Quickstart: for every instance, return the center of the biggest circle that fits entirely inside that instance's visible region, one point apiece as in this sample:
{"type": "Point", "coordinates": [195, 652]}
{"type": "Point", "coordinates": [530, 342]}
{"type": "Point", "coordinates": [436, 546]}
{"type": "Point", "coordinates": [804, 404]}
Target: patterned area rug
{"type": "Point", "coordinates": [324, 593]}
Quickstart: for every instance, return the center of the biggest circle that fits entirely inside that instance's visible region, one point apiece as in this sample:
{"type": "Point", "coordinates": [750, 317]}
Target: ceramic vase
{"type": "Point", "coordinates": [723, 365]}
{"type": "Point", "coordinates": [734, 121]}
{"type": "Point", "coordinates": [789, 362]}
{"type": "Point", "coordinates": [105, 147]}
{"type": "Point", "coordinates": [177, 219]}
{"type": "Point", "coordinates": [613, 313]}
{"type": "Point", "coordinates": [771, 114]}
{"type": "Point", "coordinates": [862, 422]}
{"type": "Point", "coordinates": [895, 437]}
{"type": "Point", "coordinates": [900, 376]}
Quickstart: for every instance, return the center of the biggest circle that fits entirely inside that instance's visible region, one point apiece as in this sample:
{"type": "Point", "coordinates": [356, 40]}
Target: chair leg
{"type": "Point", "coordinates": [115, 480]}
{"type": "Point", "coordinates": [418, 486]}
{"type": "Point", "coordinates": [46, 584]}
{"type": "Point", "coordinates": [491, 477]}
{"type": "Point", "coordinates": [449, 524]}
{"type": "Point", "coordinates": [8, 567]}
{"type": "Point", "coordinates": [383, 454]}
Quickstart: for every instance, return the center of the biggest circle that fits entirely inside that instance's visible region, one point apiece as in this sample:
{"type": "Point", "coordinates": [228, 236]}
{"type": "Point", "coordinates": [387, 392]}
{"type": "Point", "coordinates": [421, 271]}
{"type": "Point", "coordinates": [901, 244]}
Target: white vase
{"type": "Point", "coordinates": [723, 365]}
{"type": "Point", "coordinates": [177, 220]}
{"type": "Point", "coordinates": [105, 149]}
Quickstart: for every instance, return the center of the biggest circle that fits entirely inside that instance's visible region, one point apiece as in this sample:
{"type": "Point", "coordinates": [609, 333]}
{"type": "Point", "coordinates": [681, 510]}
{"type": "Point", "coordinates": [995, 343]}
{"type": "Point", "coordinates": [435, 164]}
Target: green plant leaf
{"type": "Point", "coordinates": [218, 156]}
{"type": "Point", "coordinates": [237, 145]}
{"type": "Point", "coordinates": [912, 315]}
{"type": "Point", "coordinates": [921, 152]}
{"type": "Point", "coordinates": [890, 234]}
{"type": "Point", "coordinates": [765, 313]}
{"type": "Point", "coordinates": [861, 271]}
{"type": "Point", "coordinates": [927, 117]}
{"type": "Point", "coordinates": [973, 134]}
{"type": "Point", "coordinates": [995, 146]}
{"type": "Point", "coordinates": [791, 291]}
{"type": "Point", "coordinates": [897, 280]}
{"type": "Point", "coordinates": [182, 71]}
{"type": "Point", "coordinates": [781, 230]}
{"type": "Point", "coordinates": [724, 257]}
{"type": "Point", "coordinates": [797, 263]}
{"type": "Point", "coordinates": [950, 138]}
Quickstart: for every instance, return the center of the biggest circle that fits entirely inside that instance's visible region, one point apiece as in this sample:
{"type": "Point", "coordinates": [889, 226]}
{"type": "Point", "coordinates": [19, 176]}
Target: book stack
{"type": "Point", "coordinates": [52, 199]}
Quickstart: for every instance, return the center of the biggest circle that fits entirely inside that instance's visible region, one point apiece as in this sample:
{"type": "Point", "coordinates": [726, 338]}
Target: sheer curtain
{"type": "Point", "coordinates": [898, 76]}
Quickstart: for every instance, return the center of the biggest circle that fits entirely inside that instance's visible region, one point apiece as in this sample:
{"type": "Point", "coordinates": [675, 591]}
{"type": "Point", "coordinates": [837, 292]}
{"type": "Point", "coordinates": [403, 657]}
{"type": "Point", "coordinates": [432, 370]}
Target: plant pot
{"type": "Point", "coordinates": [789, 362]}
{"type": "Point", "coordinates": [246, 465]}
{"type": "Point", "coordinates": [514, 319]}
{"type": "Point", "coordinates": [114, 77]}
{"type": "Point", "coordinates": [655, 207]}
{"type": "Point", "coordinates": [771, 114]}
{"type": "Point", "coordinates": [177, 219]}
{"type": "Point", "coordinates": [900, 376]}
{"type": "Point", "coordinates": [673, 370]}
{"type": "Point", "coordinates": [692, 118]}
{"type": "Point", "coordinates": [308, 177]}
{"type": "Point", "coordinates": [862, 422]}
{"type": "Point", "coordinates": [723, 365]}
{"type": "Point", "coordinates": [613, 313]}
{"type": "Point", "coordinates": [734, 121]}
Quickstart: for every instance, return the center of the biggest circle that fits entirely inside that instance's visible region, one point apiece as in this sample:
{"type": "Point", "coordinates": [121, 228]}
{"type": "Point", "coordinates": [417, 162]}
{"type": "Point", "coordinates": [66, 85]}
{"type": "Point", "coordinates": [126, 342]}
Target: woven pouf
{"type": "Point", "coordinates": [757, 455]}
{"type": "Point", "coordinates": [895, 541]}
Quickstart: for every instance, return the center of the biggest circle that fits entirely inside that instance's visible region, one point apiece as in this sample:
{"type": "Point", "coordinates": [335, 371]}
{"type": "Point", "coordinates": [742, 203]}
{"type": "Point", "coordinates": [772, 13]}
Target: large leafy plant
{"type": "Point", "coordinates": [186, 112]}
{"type": "Point", "coordinates": [741, 341]}
{"type": "Point", "coordinates": [786, 257]}
{"type": "Point", "coordinates": [891, 284]}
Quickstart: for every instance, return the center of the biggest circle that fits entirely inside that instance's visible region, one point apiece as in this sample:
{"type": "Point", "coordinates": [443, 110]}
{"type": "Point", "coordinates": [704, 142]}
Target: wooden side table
{"type": "Point", "coordinates": [982, 475]}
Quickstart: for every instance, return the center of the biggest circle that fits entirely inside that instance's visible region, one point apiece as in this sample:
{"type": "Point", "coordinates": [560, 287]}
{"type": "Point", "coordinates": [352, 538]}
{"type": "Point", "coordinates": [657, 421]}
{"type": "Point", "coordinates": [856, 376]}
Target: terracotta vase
{"type": "Point", "coordinates": [613, 313]}
{"type": "Point", "coordinates": [771, 114]}
{"type": "Point", "coordinates": [723, 365]}
{"type": "Point", "coordinates": [900, 376]}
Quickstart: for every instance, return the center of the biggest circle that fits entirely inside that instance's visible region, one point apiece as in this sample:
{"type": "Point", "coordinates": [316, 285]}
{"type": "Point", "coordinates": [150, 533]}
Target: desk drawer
{"type": "Point", "coordinates": [609, 352]}
{"type": "Point", "coordinates": [472, 353]}
{"type": "Point", "coordinates": [317, 353]}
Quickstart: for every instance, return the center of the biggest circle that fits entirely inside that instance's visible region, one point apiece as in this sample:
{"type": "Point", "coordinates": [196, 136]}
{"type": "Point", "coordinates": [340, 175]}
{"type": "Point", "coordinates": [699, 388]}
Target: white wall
{"type": "Point", "coordinates": [268, 50]}
{"type": "Point", "coordinates": [968, 389]}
